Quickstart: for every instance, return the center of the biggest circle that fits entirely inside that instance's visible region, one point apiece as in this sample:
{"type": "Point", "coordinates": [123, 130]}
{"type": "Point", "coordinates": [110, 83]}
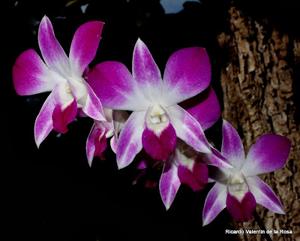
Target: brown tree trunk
{"type": "Point", "coordinates": [257, 81]}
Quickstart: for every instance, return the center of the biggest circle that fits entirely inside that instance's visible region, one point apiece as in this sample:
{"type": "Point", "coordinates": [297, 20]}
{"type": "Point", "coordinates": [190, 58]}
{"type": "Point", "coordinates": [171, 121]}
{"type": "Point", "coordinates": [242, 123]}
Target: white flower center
{"type": "Point", "coordinates": [157, 119]}
{"type": "Point", "coordinates": [237, 185]}
{"type": "Point", "coordinates": [65, 95]}
{"type": "Point", "coordinates": [78, 87]}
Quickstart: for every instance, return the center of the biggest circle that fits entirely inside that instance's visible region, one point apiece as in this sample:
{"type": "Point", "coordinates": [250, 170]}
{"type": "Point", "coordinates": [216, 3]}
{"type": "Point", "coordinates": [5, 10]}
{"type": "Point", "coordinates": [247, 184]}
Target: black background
{"type": "Point", "coordinates": [51, 193]}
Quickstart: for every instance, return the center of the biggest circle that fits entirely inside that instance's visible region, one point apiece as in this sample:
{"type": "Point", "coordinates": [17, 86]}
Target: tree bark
{"type": "Point", "coordinates": [257, 79]}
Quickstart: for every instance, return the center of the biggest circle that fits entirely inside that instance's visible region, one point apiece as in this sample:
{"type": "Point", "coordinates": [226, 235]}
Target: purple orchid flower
{"type": "Point", "coordinates": [97, 139]}
{"type": "Point", "coordinates": [156, 119]}
{"type": "Point", "coordinates": [61, 75]}
{"type": "Point", "coordinates": [239, 188]}
{"type": "Point", "coordinates": [187, 166]}
{"type": "Point", "coordinates": [96, 142]}
{"type": "Point", "coordinates": [183, 167]}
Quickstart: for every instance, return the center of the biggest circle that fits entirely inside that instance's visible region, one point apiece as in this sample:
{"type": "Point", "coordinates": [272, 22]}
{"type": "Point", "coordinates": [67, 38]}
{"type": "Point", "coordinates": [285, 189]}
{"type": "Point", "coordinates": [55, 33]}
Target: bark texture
{"type": "Point", "coordinates": [257, 79]}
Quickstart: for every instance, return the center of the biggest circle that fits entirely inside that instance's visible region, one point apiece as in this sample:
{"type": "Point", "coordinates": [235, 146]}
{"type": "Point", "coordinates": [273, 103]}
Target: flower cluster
{"type": "Point", "coordinates": [165, 115]}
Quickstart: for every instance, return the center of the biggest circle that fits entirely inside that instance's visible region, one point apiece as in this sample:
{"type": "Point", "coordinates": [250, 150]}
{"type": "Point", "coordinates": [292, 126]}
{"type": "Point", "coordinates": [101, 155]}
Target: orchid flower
{"type": "Point", "coordinates": [96, 142]}
{"type": "Point", "coordinates": [187, 166]}
{"type": "Point", "coordinates": [239, 188]}
{"type": "Point", "coordinates": [156, 119]}
{"type": "Point", "coordinates": [183, 167]}
{"type": "Point", "coordinates": [61, 75]}
{"type": "Point", "coordinates": [97, 139]}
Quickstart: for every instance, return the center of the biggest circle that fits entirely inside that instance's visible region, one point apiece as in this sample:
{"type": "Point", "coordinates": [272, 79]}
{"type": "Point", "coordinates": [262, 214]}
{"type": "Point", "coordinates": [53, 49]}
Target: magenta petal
{"type": "Point", "coordinates": [52, 52]}
{"type": "Point", "coordinates": [100, 144]}
{"type": "Point", "coordinates": [159, 147]}
{"type": "Point", "coordinates": [218, 160]}
{"type": "Point", "coordinates": [241, 211]}
{"type": "Point", "coordinates": [114, 85]}
{"type": "Point", "coordinates": [144, 68]}
{"type": "Point", "coordinates": [90, 144]}
{"type": "Point", "coordinates": [234, 208]}
{"type": "Point", "coordinates": [62, 117]}
{"type": "Point", "coordinates": [130, 140]}
{"type": "Point", "coordinates": [84, 45]}
{"type": "Point", "coordinates": [188, 129]}
{"type": "Point", "coordinates": [196, 178]}
{"type": "Point", "coordinates": [30, 74]}
{"type": "Point", "coordinates": [264, 195]}
{"type": "Point", "coordinates": [114, 143]}
{"type": "Point", "coordinates": [96, 143]}
{"type": "Point", "coordinates": [169, 184]}
{"type": "Point", "coordinates": [93, 107]}
{"type": "Point", "coordinates": [187, 73]}
{"type": "Point", "coordinates": [215, 202]}
{"type": "Point", "coordinates": [119, 119]}
{"type": "Point", "coordinates": [43, 122]}
{"type": "Point", "coordinates": [232, 146]}
{"type": "Point", "coordinates": [207, 110]}
{"type": "Point", "coordinates": [269, 153]}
